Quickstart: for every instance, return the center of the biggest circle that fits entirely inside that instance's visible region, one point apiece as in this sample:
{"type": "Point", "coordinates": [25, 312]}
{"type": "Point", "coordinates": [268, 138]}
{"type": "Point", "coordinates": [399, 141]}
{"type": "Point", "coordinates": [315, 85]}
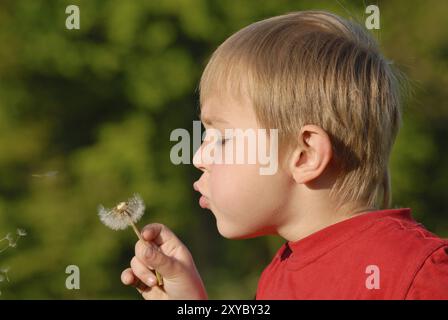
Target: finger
{"type": "Point", "coordinates": [141, 287]}
{"type": "Point", "coordinates": [140, 251]}
{"type": "Point", "coordinates": [142, 272]}
{"type": "Point", "coordinates": [159, 234]}
{"type": "Point", "coordinates": [127, 277]}
{"type": "Point", "coordinates": [150, 256]}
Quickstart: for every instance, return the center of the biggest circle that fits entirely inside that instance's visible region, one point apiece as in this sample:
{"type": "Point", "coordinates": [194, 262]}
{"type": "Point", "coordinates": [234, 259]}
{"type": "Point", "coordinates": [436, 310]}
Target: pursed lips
{"type": "Point", "coordinates": [203, 201]}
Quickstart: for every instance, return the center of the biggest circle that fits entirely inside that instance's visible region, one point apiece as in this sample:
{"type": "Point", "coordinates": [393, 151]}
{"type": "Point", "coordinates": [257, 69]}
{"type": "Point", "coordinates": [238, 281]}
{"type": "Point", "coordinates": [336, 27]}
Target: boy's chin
{"type": "Point", "coordinates": [237, 233]}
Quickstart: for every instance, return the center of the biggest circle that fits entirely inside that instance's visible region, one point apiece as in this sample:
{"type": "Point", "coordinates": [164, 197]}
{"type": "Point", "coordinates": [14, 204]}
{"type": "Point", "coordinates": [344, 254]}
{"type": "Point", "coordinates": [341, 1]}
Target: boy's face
{"type": "Point", "coordinates": [245, 203]}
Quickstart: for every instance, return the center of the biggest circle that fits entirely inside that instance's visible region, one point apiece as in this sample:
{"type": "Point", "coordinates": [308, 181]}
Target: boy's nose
{"type": "Point", "coordinates": [199, 186]}
{"type": "Point", "coordinates": [195, 186]}
{"type": "Point", "coordinates": [197, 160]}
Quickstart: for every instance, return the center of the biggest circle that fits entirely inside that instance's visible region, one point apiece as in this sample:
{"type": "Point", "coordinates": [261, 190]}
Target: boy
{"type": "Point", "coordinates": [322, 82]}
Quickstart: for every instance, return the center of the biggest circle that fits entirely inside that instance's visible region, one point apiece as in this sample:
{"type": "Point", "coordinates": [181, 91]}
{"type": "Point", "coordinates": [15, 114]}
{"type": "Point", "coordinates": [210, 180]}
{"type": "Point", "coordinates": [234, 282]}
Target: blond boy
{"type": "Point", "coordinates": [322, 82]}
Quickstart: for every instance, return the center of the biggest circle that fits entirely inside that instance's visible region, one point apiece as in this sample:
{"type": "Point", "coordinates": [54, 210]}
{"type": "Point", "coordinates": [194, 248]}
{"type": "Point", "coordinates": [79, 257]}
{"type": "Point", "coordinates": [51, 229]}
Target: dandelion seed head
{"type": "Point", "coordinates": [121, 206]}
{"type": "Point", "coordinates": [112, 218]}
{"type": "Point", "coordinates": [118, 218]}
{"type": "Point", "coordinates": [136, 207]}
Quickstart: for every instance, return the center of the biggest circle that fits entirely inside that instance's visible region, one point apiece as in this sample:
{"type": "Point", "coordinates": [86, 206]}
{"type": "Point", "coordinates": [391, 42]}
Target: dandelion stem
{"type": "Point", "coordinates": [139, 235]}
{"type": "Point", "coordinates": [137, 232]}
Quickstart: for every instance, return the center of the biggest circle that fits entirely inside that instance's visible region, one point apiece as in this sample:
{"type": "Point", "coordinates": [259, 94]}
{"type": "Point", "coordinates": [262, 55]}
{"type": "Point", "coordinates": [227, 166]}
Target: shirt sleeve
{"type": "Point", "coordinates": [431, 281]}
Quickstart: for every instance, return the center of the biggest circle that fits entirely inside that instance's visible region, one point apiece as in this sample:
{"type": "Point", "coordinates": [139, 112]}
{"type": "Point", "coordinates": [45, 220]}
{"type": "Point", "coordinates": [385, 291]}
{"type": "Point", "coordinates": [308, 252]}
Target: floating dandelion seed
{"type": "Point", "coordinates": [4, 272]}
{"type": "Point", "coordinates": [4, 275]}
{"type": "Point", "coordinates": [12, 243]}
{"type": "Point", "coordinates": [45, 175]}
{"type": "Point", "coordinates": [21, 232]}
{"type": "Point", "coordinates": [9, 237]}
{"type": "Point", "coordinates": [123, 215]}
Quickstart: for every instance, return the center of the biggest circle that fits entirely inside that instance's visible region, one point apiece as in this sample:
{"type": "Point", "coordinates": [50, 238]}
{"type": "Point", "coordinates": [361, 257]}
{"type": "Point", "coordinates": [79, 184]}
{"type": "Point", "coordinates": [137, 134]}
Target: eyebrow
{"type": "Point", "coordinates": [210, 120]}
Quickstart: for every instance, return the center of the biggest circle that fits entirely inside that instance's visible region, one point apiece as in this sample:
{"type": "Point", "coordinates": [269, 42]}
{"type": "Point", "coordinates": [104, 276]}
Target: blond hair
{"type": "Point", "coordinates": [313, 67]}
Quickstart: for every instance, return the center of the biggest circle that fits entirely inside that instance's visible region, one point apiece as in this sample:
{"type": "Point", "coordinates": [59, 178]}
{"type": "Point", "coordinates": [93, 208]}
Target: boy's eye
{"type": "Point", "coordinates": [222, 141]}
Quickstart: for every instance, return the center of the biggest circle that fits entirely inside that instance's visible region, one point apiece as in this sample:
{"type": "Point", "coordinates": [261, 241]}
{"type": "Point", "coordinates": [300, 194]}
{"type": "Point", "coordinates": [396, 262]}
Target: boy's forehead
{"type": "Point", "coordinates": [215, 109]}
{"type": "Point", "coordinates": [221, 109]}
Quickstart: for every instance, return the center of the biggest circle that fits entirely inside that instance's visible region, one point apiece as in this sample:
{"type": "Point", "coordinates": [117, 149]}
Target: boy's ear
{"type": "Point", "coordinates": [312, 154]}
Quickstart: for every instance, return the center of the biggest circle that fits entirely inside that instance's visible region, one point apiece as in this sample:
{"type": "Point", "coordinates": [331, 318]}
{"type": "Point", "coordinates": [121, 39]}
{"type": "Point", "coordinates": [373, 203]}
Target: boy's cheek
{"type": "Point", "coordinates": [234, 187]}
{"type": "Point", "coordinates": [243, 201]}
{"type": "Point", "coordinates": [234, 176]}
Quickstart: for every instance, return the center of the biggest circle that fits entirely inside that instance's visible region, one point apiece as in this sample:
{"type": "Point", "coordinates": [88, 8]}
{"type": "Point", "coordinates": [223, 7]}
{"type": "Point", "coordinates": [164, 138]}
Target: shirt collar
{"type": "Point", "coordinates": [311, 247]}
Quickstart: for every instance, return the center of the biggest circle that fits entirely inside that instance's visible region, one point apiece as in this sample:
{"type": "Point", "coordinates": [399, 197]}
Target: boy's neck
{"type": "Point", "coordinates": [311, 218]}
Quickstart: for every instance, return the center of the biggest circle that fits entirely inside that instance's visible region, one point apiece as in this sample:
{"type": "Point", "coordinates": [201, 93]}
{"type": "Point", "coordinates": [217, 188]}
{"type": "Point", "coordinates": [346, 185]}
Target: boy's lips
{"type": "Point", "coordinates": [203, 201]}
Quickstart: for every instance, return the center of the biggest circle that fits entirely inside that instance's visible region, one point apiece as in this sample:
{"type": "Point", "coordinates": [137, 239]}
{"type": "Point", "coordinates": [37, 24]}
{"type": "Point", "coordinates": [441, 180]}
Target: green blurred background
{"type": "Point", "coordinates": [98, 104]}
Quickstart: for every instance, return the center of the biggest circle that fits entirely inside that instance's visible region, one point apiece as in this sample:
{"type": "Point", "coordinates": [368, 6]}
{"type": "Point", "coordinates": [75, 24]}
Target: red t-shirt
{"type": "Point", "coordinates": [383, 254]}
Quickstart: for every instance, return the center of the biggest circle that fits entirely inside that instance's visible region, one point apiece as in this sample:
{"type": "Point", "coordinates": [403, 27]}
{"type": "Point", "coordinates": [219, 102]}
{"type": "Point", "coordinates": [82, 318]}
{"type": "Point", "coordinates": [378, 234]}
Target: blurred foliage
{"type": "Point", "coordinates": [95, 107]}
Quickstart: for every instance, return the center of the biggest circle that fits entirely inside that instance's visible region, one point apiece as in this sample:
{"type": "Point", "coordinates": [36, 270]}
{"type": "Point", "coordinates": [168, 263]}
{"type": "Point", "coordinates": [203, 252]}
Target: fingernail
{"type": "Point", "coordinates": [151, 281]}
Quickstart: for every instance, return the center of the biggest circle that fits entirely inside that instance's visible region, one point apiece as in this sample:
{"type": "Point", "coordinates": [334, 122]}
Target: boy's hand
{"type": "Point", "coordinates": [171, 258]}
